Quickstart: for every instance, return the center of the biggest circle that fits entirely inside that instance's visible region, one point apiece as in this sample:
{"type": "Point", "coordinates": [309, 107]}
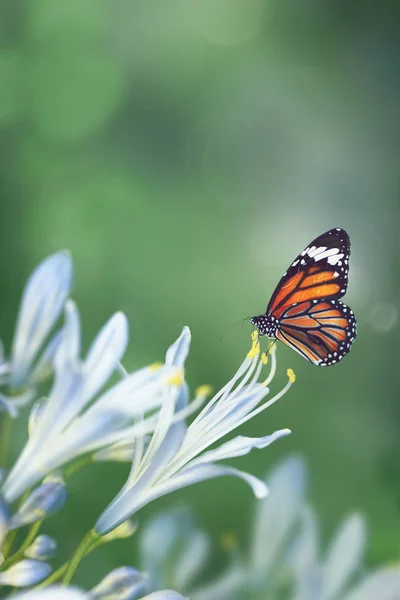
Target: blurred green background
{"type": "Point", "coordinates": [185, 151]}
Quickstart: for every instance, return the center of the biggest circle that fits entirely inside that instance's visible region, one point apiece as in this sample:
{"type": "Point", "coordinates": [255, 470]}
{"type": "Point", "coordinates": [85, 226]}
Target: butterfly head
{"type": "Point", "coordinates": [266, 325]}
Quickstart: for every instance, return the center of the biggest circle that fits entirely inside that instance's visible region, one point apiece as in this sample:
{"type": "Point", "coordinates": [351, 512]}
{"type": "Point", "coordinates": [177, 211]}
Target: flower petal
{"type": "Point", "coordinates": [43, 299]}
{"type": "Point", "coordinates": [239, 446]}
{"type": "Point", "coordinates": [52, 593]}
{"type": "Point", "coordinates": [276, 517]}
{"type": "Point", "coordinates": [177, 353]}
{"type": "Point", "coordinates": [105, 353]}
{"type": "Point", "coordinates": [383, 585]}
{"type": "Point", "coordinates": [344, 556]}
{"type": "Point", "coordinates": [164, 595]}
{"type": "Point", "coordinates": [45, 500]}
{"type": "Point", "coordinates": [70, 345]}
{"type": "Point", "coordinates": [192, 559]}
{"type": "Point", "coordinates": [44, 365]}
{"type": "Point", "coordinates": [42, 548]}
{"type": "Point", "coordinates": [133, 495]}
{"type": "Point", "coordinates": [120, 584]}
{"type": "Point", "coordinates": [303, 552]}
{"type": "Point", "coordinates": [25, 573]}
{"type": "Point", "coordinates": [232, 584]}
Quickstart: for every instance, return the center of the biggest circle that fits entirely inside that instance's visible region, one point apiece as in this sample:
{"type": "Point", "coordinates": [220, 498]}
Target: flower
{"type": "Point", "coordinates": [25, 573]}
{"type": "Point", "coordinates": [173, 550]}
{"type": "Point", "coordinates": [52, 593]}
{"type": "Point", "coordinates": [42, 548]}
{"type": "Point", "coordinates": [175, 456]}
{"type": "Point", "coordinates": [284, 557]}
{"type": "Point", "coordinates": [42, 302]}
{"type": "Point", "coordinates": [46, 500]}
{"type": "Point", "coordinates": [122, 583]}
{"type": "Point", "coordinates": [60, 428]}
{"type": "Point", "coordinates": [72, 593]}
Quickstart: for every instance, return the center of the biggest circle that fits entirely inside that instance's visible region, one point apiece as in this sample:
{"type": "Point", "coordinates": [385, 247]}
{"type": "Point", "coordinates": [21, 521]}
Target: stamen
{"type": "Point", "coordinates": [255, 349]}
{"type": "Point", "coordinates": [264, 358]}
{"type": "Point", "coordinates": [176, 379]}
{"type": "Point", "coordinates": [291, 375]}
{"type": "Point", "coordinates": [273, 368]}
{"type": "Point", "coordinates": [204, 390]}
{"type": "Point", "coordinates": [254, 335]}
{"type": "Point", "coordinates": [155, 366]}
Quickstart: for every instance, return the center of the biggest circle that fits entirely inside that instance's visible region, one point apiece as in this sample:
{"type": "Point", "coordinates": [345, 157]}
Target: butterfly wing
{"type": "Point", "coordinates": [320, 271]}
{"type": "Point", "coordinates": [321, 331]}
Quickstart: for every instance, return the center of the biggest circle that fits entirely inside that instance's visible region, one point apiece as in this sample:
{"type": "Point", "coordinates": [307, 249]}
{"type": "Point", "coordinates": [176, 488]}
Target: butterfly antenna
{"type": "Point", "coordinates": [233, 326]}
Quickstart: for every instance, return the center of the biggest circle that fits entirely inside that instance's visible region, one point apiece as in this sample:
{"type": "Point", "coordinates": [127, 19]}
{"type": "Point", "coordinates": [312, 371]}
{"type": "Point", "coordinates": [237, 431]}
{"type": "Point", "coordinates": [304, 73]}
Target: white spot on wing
{"type": "Point", "coordinates": [314, 251]}
{"type": "Point", "coordinates": [334, 259]}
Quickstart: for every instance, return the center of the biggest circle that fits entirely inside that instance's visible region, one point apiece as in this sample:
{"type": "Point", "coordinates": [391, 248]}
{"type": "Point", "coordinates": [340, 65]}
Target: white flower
{"type": "Point", "coordinates": [25, 573]}
{"type": "Point", "coordinates": [72, 593]}
{"type": "Point", "coordinates": [45, 500]}
{"type": "Point", "coordinates": [42, 302]}
{"type": "Point", "coordinates": [173, 551]}
{"type": "Point", "coordinates": [42, 548]}
{"type": "Point", "coordinates": [123, 583]}
{"type": "Point", "coordinates": [175, 456]}
{"type": "Point", "coordinates": [285, 551]}
{"type": "Point", "coordinates": [52, 593]}
{"type": "Point", "coordinates": [60, 427]}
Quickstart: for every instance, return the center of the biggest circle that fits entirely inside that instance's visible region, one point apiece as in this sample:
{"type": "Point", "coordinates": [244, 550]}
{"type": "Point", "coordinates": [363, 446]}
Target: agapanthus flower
{"type": "Point", "coordinates": [73, 593]}
{"type": "Point", "coordinates": [25, 573]}
{"type": "Point", "coordinates": [64, 427]}
{"type": "Point", "coordinates": [173, 550]}
{"type": "Point", "coordinates": [284, 560]}
{"type": "Point", "coordinates": [42, 302]}
{"type": "Point", "coordinates": [175, 456]}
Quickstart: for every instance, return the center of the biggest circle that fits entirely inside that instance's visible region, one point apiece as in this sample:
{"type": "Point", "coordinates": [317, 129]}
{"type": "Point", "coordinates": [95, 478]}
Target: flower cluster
{"type": "Point", "coordinates": [285, 559]}
{"type": "Point", "coordinates": [146, 418]}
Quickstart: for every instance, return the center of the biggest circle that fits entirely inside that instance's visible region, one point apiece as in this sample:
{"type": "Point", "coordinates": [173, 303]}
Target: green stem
{"type": "Point", "coordinates": [56, 576]}
{"type": "Point", "coordinates": [5, 436]}
{"type": "Point", "coordinates": [83, 548]}
{"type": "Point", "coordinates": [12, 534]}
{"type": "Point", "coordinates": [33, 531]}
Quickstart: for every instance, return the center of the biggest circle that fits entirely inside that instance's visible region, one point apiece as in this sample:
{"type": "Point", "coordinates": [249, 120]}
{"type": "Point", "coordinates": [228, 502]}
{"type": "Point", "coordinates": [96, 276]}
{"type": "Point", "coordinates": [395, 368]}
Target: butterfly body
{"type": "Point", "coordinates": [305, 311]}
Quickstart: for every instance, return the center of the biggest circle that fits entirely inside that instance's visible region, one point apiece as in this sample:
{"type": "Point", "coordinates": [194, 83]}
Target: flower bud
{"type": "Point", "coordinates": [47, 499]}
{"type": "Point", "coordinates": [120, 584]}
{"type": "Point", "coordinates": [42, 548]}
{"type": "Point", "coordinates": [24, 573]}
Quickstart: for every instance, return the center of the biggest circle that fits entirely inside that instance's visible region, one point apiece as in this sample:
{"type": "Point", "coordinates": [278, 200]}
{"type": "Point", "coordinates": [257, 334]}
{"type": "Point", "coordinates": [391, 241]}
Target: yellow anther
{"type": "Point", "coordinates": [255, 349]}
{"type": "Point", "coordinates": [204, 390]}
{"type": "Point", "coordinates": [291, 375]}
{"type": "Point", "coordinates": [254, 335]}
{"type": "Point", "coordinates": [155, 366]}
{"type": "Point", "coordinates": [264, 358]}
{"type": "Point", "coordinates": [229, 541]}
{"type": "Point", "coordinates": [176, 378]}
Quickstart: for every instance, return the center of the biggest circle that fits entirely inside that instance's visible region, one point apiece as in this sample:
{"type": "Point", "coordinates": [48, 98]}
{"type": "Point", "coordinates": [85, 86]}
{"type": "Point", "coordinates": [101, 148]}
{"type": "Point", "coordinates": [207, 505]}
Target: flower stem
{"type": "Point", "coordinates": [19, 554]}
{"type": "Point", "coordinates": [83, 548]}
{"type": "Point", "coordinates": [5, 436]}
{"type": "Point", "coordinates": [53, 577]}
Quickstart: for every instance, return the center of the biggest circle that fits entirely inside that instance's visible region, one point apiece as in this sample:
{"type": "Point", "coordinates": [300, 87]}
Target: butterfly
{"type": "Point", "coordinates": [305, 311]}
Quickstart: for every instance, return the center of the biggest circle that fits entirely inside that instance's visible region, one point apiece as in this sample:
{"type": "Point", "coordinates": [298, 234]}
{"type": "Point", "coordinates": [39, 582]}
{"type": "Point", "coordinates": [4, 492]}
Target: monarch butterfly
{"type": "Point", "coordinates": [305, 311]}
